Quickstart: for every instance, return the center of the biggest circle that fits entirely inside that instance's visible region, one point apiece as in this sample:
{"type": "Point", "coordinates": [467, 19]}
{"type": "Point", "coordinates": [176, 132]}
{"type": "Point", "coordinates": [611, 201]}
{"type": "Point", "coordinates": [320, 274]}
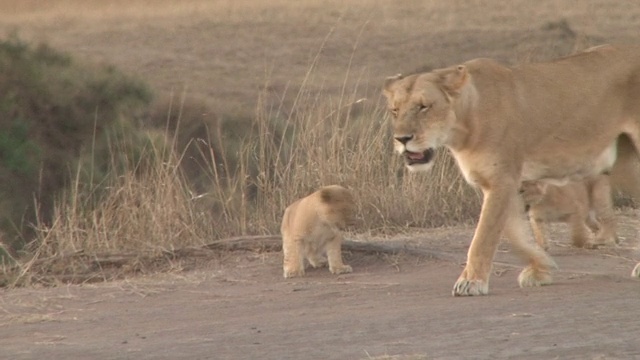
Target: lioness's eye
{"type": "Point", "coordinates": [423, 108]}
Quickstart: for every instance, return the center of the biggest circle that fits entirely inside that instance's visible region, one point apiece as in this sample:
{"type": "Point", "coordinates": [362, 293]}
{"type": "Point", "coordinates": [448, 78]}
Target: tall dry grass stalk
{"type": "Point", "coordinates": [148, 207]}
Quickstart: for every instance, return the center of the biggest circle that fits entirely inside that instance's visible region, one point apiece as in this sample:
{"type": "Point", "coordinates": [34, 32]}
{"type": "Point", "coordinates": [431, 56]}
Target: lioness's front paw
{"type": "Point", "coordinates": [289, 273]}
{"type": "Point", "coordinates": [464, 287]}
{"type": "Point", "coordinates": [636, 271]}
{"type": "Point", "coordinates": [531, 276]}
{"type": "Point", "coordinates": [340, 269]}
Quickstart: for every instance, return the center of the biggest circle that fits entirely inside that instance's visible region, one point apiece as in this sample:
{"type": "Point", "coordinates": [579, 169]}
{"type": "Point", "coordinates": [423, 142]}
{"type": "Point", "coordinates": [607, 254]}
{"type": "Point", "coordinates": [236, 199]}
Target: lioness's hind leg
{"type": "Point", "coordinates": [293, 263]}
{"type": "Point", "coordinates": [334, 254]}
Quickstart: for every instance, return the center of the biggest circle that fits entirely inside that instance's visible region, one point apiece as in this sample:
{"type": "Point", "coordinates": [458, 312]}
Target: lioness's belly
{"type": "Point", "coordinates": [562, 168]}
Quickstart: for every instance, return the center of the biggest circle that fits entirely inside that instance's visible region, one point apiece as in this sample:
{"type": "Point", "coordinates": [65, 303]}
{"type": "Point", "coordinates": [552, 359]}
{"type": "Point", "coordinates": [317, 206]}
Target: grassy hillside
{"type": "Point", "coordinates": [53, 110]}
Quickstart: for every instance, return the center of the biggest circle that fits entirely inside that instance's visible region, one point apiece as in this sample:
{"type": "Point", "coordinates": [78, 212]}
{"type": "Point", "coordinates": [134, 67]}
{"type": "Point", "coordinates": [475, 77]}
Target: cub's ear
{"type": "Point", "coordinates": [328, 195]}
{"type": "Point", "coordinates": [453, 79]}
{"type": "Point", "coordinates": [388, 82]}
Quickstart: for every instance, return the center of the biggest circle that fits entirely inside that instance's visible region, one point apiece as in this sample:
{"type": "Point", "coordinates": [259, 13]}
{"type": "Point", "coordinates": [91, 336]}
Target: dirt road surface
{"type": "Point", "coordinates": [238, 306]}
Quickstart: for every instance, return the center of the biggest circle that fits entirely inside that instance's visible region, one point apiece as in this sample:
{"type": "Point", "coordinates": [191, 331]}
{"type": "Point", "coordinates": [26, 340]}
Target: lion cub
{"type": "Point", "coordinates": [311, 227]}
{"type": "Point", "coordinates": [586, 206]}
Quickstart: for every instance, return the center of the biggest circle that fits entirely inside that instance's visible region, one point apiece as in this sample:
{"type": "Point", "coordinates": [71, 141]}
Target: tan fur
{"type": "Point", "coordinates": [311, 227]}
{"type": "Point", "coordinates": [569, 119]}
{"type": "Point", "coordinates": [585, 205]}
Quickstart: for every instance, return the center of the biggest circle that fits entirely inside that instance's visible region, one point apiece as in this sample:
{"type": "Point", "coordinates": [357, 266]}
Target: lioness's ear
{"type": "Point", "coordinates": [388, 82]}
{"type": "Point", "coordinates": [453, 79]}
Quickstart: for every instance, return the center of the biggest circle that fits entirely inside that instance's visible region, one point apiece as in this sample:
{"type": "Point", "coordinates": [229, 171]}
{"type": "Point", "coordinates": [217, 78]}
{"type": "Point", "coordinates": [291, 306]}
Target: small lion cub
{"type": "Point", "coordinates": [586, 206]}
{"type": "Point", "coordinates": [311, 227]}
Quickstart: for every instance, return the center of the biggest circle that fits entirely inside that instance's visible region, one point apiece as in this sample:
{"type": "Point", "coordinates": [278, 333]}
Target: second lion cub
{"type": "Point", "coordinates": [311, 227]}
{"type": "Point", "coordinates": [584, 205]}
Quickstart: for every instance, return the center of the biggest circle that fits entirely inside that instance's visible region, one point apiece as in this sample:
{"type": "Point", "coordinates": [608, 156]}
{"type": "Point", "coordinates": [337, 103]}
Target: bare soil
{"type": "Point", "coordinates": [238, 306]}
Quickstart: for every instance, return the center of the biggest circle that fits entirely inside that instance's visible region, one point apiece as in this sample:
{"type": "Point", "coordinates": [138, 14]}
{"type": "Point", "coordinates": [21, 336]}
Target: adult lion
{"type": "Point", "coordinates": [311, 227]}
{"type": "Point", "coordinates": [569, 119]}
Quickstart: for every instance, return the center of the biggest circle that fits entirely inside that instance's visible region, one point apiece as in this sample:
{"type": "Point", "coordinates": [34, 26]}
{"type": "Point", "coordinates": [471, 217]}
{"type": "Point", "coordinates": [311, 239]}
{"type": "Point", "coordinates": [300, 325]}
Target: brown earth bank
{"type": "Point", "coordinates": [393, 306]}
{"type": "Point", "coordinates": [226, 52]}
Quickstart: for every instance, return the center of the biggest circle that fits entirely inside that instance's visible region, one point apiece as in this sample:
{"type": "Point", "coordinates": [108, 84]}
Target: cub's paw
{"type": "Point", "coordinates": [289, 273]}
{"type": "Point", "coordinates": [464, 287]}
{"type": "Point", "coordinates": [636, 271]}
{"type": "Point", "coordinates": [341, 269]}
{"type": "Point", "coordinates": [531, 276]}
{"type": "Point", "coordinates": [317, 262]}
{"type": "Point", "coordinates": [600, 242]}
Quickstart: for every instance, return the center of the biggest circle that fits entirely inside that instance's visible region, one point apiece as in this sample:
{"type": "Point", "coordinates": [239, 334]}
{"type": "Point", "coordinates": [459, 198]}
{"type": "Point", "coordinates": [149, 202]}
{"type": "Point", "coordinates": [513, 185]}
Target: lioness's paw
{"type": "Point", "coordinates": [531, 276]}
{"type": "Point", "coordinates": [636, 271]}
{"type": "Point", "coordinates": [464, 287]}
{"type": "Point", "coordinates": [341, 269]}
{"type": "Point", "coordinates": [289, 273]}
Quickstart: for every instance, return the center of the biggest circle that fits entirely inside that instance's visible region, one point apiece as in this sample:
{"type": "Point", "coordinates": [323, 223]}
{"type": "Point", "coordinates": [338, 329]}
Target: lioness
{"type": "Point", "coordinates": [311, 226]}
{"type": "Point", "coordinates": [568, 119]}
{"type": "Point", "coordinates": [585, 205]}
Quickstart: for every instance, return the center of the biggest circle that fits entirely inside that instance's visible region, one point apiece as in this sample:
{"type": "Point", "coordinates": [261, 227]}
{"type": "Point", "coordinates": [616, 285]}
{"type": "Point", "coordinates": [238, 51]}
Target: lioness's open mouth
{"type": "Point", "coordinates": [413, 158]}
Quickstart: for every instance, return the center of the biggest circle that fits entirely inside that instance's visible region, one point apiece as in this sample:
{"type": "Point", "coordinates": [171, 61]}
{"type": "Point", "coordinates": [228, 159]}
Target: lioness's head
{"type": "Point", "coordinates": [421, 107]}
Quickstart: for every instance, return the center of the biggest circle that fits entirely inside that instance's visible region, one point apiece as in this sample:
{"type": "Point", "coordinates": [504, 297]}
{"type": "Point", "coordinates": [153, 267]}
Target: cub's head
{"type": "Point", "coordinates": [421, 107]}
{"type": "Point", "coordinates": [532, 192]}
{"type": "Point", "coordinates": [338, 206]}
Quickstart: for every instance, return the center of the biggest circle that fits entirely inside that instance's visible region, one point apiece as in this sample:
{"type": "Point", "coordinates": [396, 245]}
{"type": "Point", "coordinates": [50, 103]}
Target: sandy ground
{"type": "Point", "coordinates": [238, 306]}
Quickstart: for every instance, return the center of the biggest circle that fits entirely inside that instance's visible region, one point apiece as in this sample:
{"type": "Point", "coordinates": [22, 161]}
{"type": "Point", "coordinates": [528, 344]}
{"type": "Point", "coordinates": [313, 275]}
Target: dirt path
{"type": "Point", "coordinates": [391, 307]}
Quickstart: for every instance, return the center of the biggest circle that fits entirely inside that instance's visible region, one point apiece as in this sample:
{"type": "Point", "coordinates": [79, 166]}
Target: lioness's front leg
{"type": "Point", "coordinates": [636, 271]}
{"type": "Point", "coordinates": [474, 279]}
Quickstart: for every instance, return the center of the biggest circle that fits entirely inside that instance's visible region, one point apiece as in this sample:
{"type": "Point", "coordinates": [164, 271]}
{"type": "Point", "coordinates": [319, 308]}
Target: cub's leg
{"type": "Point", "coordinates": [636, 271]}
{"type": "Point", "coordinates": [602, 204]}
{"type": "Point", "coordinates": [316, 259]}
{"type": "Point", "coordinates": [537, 227]}
{"type": "Point", "coordinates": [293, 264]}
{"type": "Point", "coordinates": [334, 253]}
{"type": "Point", "coordinates": [579, 231]}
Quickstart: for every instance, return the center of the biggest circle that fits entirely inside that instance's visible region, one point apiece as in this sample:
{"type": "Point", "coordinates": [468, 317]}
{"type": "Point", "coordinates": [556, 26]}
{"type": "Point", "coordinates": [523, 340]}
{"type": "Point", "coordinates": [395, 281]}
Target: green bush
{"type": "Point", "coordinates": [52, 110]}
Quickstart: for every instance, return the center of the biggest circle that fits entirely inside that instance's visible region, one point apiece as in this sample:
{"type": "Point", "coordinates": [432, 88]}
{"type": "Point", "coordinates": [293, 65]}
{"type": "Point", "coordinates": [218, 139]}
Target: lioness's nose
{"type": "Point", "coordinates": [404, 139]}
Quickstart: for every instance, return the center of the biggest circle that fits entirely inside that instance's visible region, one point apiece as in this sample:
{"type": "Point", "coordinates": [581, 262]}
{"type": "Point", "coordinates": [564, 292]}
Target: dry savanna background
{"type": "Point", "coordinates": [132, 130]}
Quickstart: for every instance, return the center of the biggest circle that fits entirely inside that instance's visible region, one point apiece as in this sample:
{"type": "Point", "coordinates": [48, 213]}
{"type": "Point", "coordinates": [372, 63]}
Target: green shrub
{"type": "Point", "coordinates": [52, 109]}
